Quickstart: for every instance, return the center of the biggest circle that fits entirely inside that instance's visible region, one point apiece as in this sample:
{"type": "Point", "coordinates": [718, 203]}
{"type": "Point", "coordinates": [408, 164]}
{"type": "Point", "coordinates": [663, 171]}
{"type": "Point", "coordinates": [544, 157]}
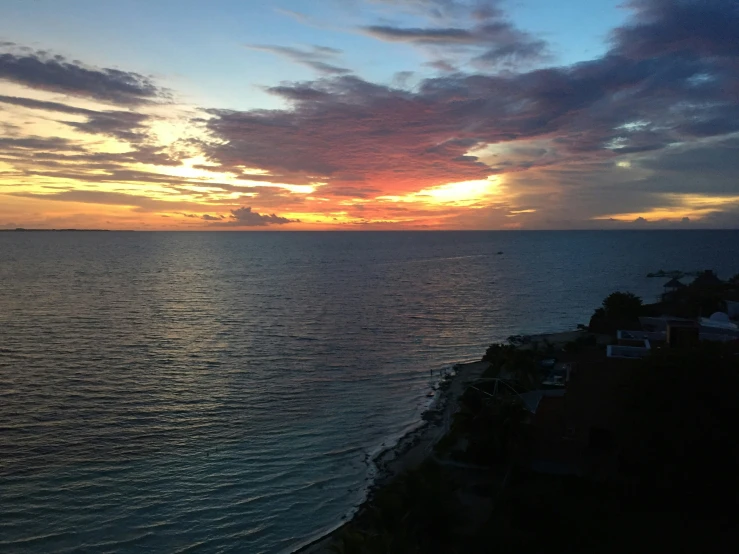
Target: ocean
{"type": "Point", "coordinates": [226, 392]}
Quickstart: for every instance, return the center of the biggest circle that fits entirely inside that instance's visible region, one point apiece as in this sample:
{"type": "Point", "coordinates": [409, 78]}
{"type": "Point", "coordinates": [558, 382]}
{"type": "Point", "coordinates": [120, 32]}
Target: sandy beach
{"type": "Point", "coordinates": [417, 445]}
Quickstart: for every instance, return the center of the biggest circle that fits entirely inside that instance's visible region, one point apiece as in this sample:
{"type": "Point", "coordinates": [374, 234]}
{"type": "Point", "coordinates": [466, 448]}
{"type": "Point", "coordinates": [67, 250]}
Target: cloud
{"type": "Point", "coordinates": [44, 105]}
{"type": "Point", "coordinates": [24, 144]}
{"type": "Point", "coordinates": [316, 58]}
{"type": "Point", "coordinates": [245, 217]}
{"type": "Point", "coordinates": [297, 16]}
{"type": "Point", "coordinates": [648, 130]}
{"type": "Point", "coordinates": [140, 202]}
{"type": "Point", "coordinates": [441, 65]}
{"type": "Point", "coordinates": [497, 43]}
{"type": "Point", "coordinates": [448, 10]}
{"type": "Point", "coordinates": [422, 36]}
{"type": "Point", "coordinates": [42, 71]}
{"type": "Point", "coordinates": [127, 126]}
{"type": "Point", "coordinates": [689, 27]}
{"type": "Point", "coordinates": [476, 32]}
{"type": "Point", "coordinates": [360, 136]}
{"type": "Point", "coordinates": [348, 133]}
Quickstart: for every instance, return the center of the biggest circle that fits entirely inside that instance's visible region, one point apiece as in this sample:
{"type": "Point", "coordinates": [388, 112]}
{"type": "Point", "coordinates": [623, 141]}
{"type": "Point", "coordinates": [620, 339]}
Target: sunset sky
{"type": "Point", "coordinates": [369, 114]}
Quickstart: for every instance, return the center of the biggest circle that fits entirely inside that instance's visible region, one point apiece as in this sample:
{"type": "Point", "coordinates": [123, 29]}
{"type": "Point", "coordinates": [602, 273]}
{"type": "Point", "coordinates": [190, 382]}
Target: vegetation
{"type": "Point", "coordinates": [489, 427]}
{"type": "Point", "coordinates": [622, 305]}
{"type": "Point", "coordinates": [619, 310]}
{"type": "Point", "coordinates": [673, 480]}
{"type": "Point", "coordinates": [416, 513]}
{"type": "Point", "coordinates": [679, 460]}
{"type": "Point", "coordinates": [697, 300]}
{"type": "Point", "coordinates": [514, 364]}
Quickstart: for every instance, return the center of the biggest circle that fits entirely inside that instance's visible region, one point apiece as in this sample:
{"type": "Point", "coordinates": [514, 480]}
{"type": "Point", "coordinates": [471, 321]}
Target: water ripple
{"type": "Point", "coordinates": [221, 392]}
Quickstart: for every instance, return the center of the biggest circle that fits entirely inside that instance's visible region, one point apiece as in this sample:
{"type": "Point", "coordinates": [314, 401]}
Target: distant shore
{"type": "Point", "coordinates": [416, 446]}
{"type": "Point", "coordinates": [22, 230]}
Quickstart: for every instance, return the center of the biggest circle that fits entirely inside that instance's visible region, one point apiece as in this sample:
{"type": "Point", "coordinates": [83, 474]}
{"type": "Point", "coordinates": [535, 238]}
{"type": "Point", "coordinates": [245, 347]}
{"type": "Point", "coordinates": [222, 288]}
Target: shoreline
{"type": "Point", "coordinates": [411, 449]}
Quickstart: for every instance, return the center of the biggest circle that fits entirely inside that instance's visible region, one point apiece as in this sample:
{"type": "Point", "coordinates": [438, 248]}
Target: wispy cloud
{"type": "Point", "coordinates": [474, 31]}
{"type": "Point", "coordinates": [316, 57]}
{"type": "Point", "coordinates": [497, 43]}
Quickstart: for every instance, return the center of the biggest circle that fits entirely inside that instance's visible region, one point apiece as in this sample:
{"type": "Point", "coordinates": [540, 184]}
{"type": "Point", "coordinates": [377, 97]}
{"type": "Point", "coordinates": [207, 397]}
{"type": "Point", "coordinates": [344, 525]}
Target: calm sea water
{"type": "Point", "coordinates": [224, 392]}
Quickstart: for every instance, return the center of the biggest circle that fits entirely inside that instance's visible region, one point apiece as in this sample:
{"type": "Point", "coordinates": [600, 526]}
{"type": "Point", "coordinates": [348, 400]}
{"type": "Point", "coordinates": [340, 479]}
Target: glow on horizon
{"type": "Point", "coordinates": [691, 206]}
{"type": "Point", "coordinates": [464, 193]}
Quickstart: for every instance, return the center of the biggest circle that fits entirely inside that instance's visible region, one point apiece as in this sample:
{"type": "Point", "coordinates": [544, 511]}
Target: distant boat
{"type": "Point", "coordinates": [499, 253]}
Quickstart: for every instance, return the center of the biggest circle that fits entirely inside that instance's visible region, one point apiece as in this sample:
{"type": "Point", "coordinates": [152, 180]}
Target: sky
{"type": "Point", "coordinates": [369, 114]}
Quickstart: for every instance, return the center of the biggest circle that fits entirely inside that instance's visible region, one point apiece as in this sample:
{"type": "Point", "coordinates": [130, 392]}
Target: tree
{"type": "Point", "coordinates": [620, 310]}
{"type": "Point", "coordinates": [622, 306]}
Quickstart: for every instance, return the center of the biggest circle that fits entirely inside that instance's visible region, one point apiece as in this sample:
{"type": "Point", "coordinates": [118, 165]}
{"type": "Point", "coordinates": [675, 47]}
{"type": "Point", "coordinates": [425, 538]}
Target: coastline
{"type": "Point", "coordinates": [412, 449]}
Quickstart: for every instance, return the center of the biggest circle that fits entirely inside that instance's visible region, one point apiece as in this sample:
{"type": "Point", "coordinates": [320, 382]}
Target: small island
{"type": "Point", "coordinates": [619, 436]}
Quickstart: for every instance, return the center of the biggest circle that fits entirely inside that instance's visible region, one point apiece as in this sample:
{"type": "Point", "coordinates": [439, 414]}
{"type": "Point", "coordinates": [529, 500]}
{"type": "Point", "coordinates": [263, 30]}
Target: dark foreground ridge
{"type": "Point", "coordinates": [618, 437]}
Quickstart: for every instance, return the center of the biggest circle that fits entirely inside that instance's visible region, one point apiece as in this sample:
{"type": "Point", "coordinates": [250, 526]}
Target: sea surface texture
{"type": "Point", "coordinates": [225, 392]}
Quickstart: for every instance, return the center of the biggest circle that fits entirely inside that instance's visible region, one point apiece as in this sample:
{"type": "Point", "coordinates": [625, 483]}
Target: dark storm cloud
{"type": "Point", "coordinates": [317, 58]}
{"type": "Point", "coordinates": [57, 74]}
